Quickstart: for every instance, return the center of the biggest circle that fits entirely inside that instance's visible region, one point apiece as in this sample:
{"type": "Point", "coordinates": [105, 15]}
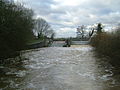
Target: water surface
{"type": "Point", "coordinates": [60, 68]}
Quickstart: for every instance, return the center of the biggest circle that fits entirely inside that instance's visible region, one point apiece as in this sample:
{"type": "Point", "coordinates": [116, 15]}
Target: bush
{"type": "Point", "coordinates": [108, 44]}
{"type": "Point", "coordinates": [16, 26]}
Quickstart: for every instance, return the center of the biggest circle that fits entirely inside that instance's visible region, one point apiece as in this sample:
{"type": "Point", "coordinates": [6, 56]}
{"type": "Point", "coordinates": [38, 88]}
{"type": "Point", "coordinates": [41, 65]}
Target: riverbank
{"type": "Point", "coordinates": [40, 44]}
{"type": "Point", "coordinates": [108, 44]}
{"type": "Point", "coordinates": [35, 44]}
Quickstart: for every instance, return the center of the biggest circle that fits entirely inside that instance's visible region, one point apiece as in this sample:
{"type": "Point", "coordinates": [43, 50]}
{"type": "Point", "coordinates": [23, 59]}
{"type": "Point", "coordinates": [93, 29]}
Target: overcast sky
{"type": "Point", "coordinates": [65, 15]}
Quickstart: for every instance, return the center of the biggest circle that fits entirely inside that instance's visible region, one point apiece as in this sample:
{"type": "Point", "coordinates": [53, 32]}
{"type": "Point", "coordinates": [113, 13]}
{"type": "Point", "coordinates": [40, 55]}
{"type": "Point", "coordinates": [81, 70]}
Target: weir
{"type": "Point", "coordinates": [62, 43]}
{"type": "Point", "coordinates": [80, 42]}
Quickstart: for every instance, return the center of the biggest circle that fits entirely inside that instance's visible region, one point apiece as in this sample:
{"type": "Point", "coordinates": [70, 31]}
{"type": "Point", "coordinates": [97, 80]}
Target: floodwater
{"type": "Point", "coordinates": [60, 68]}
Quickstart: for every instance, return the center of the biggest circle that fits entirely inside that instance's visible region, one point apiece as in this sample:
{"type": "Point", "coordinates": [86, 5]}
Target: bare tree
{"type": "Point", "coordinates": [91, 32]}
{"type": "Point", "coordinates": [52, 36]}
{"type": "Point", "coordinates": [48, 33]}
{"type": "Point", "coordinates": [80, 31]}
{"type": "Point", "coordinates": [41, 27]}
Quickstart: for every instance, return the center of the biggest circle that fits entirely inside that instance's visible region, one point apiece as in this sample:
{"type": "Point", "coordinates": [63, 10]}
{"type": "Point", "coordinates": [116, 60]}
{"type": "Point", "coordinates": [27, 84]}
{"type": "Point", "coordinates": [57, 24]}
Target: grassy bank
{"type": "Point", "coordinates": [108, 44]}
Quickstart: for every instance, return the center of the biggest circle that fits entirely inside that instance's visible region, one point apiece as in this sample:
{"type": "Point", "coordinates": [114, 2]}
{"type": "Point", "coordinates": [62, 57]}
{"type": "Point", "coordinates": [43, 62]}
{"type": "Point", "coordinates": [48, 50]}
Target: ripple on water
{"type": "Point", "coordinates": [61, 68]}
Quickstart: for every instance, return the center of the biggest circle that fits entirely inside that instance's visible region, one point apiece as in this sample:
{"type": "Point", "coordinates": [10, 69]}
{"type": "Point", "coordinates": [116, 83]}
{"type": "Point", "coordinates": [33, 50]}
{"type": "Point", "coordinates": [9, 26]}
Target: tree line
{"type": "Point", "coordinates": [17, 26]}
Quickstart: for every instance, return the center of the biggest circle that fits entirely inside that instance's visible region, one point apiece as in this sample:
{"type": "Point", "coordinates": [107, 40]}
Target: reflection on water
{"type": "Point", "coordinates": [60, 68]}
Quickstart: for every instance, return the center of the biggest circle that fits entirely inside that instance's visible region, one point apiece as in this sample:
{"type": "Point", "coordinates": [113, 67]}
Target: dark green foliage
{"type": "Point", "coordinates": [108, 44]}
{"type": "Point", "coordinates": [16, 26]}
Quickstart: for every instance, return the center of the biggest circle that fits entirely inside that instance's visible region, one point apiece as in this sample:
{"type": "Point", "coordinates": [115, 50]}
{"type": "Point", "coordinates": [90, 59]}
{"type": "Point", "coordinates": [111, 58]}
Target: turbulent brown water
{"type": "Point", "coordinates": [60, 68]}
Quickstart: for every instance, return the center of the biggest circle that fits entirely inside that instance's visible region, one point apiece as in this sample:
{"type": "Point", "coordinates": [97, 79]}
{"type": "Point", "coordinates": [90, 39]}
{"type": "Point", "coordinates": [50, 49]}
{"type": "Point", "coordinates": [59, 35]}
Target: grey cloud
{"type": "Point", "coordinates": [88, 12]}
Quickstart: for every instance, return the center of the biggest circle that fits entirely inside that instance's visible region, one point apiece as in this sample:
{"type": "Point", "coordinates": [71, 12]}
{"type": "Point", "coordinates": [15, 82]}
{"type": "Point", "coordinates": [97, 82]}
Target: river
{"type": "Point", "coordinates": [60, 68]}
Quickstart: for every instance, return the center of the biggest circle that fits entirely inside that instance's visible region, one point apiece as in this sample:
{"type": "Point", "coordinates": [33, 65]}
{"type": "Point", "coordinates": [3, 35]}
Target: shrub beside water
{"type": "Point", "coordinates": [108, 44]}
{"type": "Point", "coordinates": [16, 25]}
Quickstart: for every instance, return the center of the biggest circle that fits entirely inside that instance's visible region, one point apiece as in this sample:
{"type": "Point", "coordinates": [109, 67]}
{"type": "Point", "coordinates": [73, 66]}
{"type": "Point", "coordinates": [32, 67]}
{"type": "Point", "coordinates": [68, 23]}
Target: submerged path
{"type": "Point", "coordinates": [61, 68]}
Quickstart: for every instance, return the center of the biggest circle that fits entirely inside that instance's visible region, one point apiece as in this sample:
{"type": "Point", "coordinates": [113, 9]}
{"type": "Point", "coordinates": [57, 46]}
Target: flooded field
{"type": "Point", "coordinates": [60, 68]}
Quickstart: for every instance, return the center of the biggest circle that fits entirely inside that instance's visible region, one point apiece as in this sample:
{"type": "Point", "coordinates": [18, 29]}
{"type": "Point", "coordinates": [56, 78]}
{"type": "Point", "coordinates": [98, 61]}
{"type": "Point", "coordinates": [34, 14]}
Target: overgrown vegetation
{"type": "Point", "coordinates": [108, 44]}
{"type": "Point", "coordinates": [16, 25]}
